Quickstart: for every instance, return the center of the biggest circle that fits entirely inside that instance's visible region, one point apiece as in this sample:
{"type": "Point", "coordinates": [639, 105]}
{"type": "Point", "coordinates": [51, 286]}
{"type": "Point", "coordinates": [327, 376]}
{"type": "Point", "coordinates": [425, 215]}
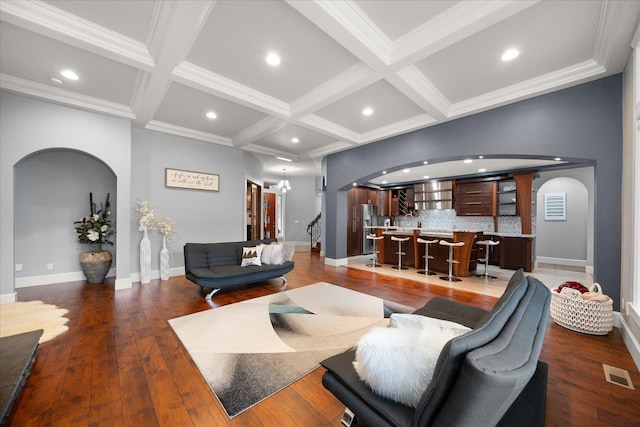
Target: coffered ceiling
{"type": "Point", "coordinates": [165, 64]}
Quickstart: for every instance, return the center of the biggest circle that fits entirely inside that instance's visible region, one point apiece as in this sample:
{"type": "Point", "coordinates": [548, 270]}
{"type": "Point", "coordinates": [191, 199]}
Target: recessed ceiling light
{"type": "Point", "coordinates": [557, 159]}
{"type": "Point", "coordinates": [55, 80]}
{"type": "Point", "coordinates": [273, 59]}
{"type": "Point", "coordinates": [482, 170]}
{"type": "Point", "coordinates": [481, 157]}
{"type": "Point", "coordinates": [295, 140]}
{"type": "Point", "coordinates": [468, 160]}
{"type": "Point", "coordinates": [284, 159]}
{"type": "Point", "coordinates": [425, 177]}
{"type": "Point", "coordinates": [69, 74]}
{"type": "Point", "coordinates": [425, 162]}
{"type": "Point", "coordinates": [384, 172]}
{"type": "Point", "coordinates": [355, 184]}
{"type": "Point", "coordinates": [384, 182]}
{"type": "Point", "coordinates": [510, 54]}
{"type": "Point", "coordinates": [406, 170]}
{"type": "Point", "coordinates": [212, 115]}
{"type": "Point", "coordinates": [367, 111]}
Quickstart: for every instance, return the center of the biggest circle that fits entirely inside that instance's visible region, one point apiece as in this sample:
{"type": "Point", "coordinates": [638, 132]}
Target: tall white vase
{"type": "Point", "coordinates": [164, 260]}
{"type": "Point", "coordinates": [145, 257]}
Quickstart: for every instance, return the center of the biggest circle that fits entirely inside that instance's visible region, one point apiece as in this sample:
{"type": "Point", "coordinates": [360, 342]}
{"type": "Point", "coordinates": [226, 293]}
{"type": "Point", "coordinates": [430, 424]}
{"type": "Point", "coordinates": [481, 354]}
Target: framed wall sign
{"type": "Point", "coordinates": [191, 180]}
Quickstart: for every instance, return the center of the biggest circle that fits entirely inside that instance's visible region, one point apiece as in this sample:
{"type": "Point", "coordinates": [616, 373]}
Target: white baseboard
{"type": "Point", "coordinates": [123, 284]}
{"type": "Point", "coordinates": [562, 261]}
{"type": "Point", "coordinates": [627, 336]}
{"type": "Point", "coordinates": [336, 262]}
{"type": "Point", "coordinates": [50, 279]}
{"type": "Point", "coordinates": [8, 298]}
{"type": "Point", "coordinates": [155, 274]}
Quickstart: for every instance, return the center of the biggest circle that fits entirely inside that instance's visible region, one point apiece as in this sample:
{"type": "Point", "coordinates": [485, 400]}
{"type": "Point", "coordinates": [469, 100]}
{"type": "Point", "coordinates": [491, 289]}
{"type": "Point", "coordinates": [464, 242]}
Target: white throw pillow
{"type": "Point", "coordinates": [251, 255]}
{"type": "Point", "coordinates": [288, 249]}
{"type": "Point", "coordinates": [398, 362]}
{"type": "Point", "coordinates": [276, 254]}
{"type": "Point", "coordinates": [265, 258]}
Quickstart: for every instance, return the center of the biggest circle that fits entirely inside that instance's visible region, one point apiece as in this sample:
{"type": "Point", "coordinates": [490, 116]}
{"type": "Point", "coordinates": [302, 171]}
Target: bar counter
{"type": "Point", "coordinates": [516, 253]}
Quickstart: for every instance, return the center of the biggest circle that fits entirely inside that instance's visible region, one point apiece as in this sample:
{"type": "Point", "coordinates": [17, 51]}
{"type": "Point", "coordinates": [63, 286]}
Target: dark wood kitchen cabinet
{"type": "Point", "coordinates": [475, 198]}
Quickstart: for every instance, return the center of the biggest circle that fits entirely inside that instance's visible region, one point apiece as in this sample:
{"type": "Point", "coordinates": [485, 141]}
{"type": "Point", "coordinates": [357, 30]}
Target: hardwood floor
{"type": "Point", "coordinates": [120, 363]}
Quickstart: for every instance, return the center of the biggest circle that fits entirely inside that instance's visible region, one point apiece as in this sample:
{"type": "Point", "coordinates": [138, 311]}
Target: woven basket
{"type": "Point", "coordinates": [586, 316]}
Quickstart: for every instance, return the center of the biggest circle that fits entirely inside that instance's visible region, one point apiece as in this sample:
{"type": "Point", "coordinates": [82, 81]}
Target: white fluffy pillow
{"type": "Point", "coordinates": [251, 255]}
{"type": "Point", "coordinates": [265, 258]}
{"type": "Point", "coordinates": [398, 362]}
{"type": "Point", "coordinates": [276, 254]}
{"type": "Point", "coordinates": [288, 249]}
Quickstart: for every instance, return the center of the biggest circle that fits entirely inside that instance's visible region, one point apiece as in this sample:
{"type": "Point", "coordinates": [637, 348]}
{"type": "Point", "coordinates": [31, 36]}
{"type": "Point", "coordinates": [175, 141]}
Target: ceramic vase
{"type": "Point", "coordinates": [145, 257]}
{"type": "Point", "coordinates": [95, 263]}
{"type": "Point", "coordinates": [164, 260]}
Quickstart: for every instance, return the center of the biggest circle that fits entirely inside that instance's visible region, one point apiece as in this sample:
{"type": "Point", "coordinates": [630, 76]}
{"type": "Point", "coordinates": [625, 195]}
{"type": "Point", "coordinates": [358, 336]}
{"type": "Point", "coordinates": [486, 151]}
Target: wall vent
{"type": "Point", "coordinates": [555, 207]}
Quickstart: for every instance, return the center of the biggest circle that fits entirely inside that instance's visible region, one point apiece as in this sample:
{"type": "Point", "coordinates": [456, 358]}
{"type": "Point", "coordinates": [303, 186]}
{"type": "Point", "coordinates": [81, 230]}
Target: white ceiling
{"type": "Point", "coordinates": [164, 64]}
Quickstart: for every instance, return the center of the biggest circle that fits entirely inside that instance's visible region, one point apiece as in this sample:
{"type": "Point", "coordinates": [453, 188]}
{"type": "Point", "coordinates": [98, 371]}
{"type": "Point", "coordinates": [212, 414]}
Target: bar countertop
{"type": "Point", "coordinates": [441, 232]}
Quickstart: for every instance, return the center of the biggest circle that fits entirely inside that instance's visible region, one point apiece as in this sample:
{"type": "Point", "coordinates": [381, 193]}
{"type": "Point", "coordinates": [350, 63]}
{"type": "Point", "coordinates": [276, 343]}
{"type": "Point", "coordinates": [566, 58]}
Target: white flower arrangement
{"type": "Point", "coordinates": [147, 216]}
{"type": "Point", "coordinates": [167, 228]}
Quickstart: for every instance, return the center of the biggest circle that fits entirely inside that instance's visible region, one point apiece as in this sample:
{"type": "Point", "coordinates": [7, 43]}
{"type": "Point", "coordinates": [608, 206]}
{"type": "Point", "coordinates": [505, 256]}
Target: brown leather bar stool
{"type": "Point", "coordinates": [374, 260]}
{"type": "Point", "coordinates": [426, 257]}
{"type": "Point", "coordinates": [400, 253]}
{"type": "Point", "coordinates": [451, 260]}
{"type": "Point", "coordinates": [487, 245]}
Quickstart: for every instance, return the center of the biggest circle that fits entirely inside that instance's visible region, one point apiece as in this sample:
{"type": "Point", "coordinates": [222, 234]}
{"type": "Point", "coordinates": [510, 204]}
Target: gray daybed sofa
{"type": "Point", "coordinates": [215, 266]}
{"type": "Point", "coordinates": [486, 377]}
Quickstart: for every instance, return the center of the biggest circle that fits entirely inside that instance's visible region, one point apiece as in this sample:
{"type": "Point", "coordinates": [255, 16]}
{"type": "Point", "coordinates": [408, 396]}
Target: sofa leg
{"type": "Point", "coordinates": [210, 294]}
{"type": "Point", "coordinates": [348, 417]}
{"type": "Point", "coordinates": [284, 283]}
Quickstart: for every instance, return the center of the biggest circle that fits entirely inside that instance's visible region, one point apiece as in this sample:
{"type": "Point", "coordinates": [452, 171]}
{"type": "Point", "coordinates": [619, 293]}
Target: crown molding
{"type": "Point", "coordinates": [215, 84]}
{"type": "Point", "coordinates": [608, 25]}
{"type": "Point", "coordinates": [397, 128]}
{"type": "Point", "coordinates": [62, 96]}
{"type": "Point", "coordinates": [188, 133]}
{"type": "Point", "coordinates": [569, 76]}
{"type": "Point", "coordinates": [50, 21]}
{"type": "Point", "coordinates": [327, 127]}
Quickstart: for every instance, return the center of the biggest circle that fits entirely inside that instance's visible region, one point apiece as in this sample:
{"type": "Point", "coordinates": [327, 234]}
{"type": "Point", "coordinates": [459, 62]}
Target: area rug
{"type": "Point", "coordinates": [19, 317]}
{"type": "Point", "coordinates": [249, 350]}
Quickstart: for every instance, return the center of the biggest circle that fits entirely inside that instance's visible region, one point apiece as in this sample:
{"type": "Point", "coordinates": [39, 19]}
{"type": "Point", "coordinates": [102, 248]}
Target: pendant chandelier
{"type": "Point", "coordinates": [284, 185]}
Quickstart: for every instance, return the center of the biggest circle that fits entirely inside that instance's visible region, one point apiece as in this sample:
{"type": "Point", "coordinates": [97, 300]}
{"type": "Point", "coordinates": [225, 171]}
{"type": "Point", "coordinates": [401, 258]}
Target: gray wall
{"type": "Point", "coordinates": [29, 126]}
{"type": "Point", "coordinates": [571, 239]}
{"type": "Point", "coordinates": [200, 216]}
{"type": "Point", "coordinates": [51, 192]}
{"type": "Point", "coordinates": [75, 152]}
{"type": "Point", "coordinates": [301, 208]}
{"type": "Point", "coordinates": [567, 238]}
{"type": "Point", "coordinates": [583, 123]}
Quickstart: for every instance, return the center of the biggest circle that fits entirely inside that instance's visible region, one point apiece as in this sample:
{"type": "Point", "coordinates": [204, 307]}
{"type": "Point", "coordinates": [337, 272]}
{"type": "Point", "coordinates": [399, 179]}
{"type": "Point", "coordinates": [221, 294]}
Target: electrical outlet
{"type": "Point", "coordinates": [50, 266]}
{"type": "Point", "coordinates": [18, 267]}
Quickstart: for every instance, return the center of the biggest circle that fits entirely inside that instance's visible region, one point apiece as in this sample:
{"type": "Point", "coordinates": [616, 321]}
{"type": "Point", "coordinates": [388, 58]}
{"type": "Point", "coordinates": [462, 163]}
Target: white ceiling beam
{"type": "Point", "coordinates": [169, 32]}
{"type": "Point", "coordinates": [463, 20]}
{"type": "Point", "coordinates": [49, 21]}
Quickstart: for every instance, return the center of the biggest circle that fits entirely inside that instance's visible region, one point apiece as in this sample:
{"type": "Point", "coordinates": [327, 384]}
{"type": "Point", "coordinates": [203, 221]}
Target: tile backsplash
{"type": "Point", "coordinates": [447, 219]}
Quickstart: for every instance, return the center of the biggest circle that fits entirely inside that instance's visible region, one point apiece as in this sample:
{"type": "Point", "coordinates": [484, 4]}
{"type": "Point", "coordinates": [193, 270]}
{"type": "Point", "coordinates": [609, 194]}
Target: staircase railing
{"type": "Point", "coordinates": [315, 229]}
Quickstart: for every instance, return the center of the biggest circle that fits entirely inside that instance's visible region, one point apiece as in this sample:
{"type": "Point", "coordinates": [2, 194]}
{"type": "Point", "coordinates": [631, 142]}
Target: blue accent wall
{"type": "Point", "coordinates": [583, 123]}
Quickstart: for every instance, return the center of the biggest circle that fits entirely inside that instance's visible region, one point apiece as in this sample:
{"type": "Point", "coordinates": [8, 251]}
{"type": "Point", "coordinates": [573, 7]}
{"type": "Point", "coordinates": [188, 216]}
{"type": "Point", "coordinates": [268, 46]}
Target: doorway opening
{"type": "Point", "coordinates": [254, 211]}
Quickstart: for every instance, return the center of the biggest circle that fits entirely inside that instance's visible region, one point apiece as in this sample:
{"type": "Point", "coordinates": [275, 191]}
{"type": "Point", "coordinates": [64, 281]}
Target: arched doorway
{"type": "Point", "coordinates": [51, 190]}
{"type": "Point", "coordinates": [566, 243]}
